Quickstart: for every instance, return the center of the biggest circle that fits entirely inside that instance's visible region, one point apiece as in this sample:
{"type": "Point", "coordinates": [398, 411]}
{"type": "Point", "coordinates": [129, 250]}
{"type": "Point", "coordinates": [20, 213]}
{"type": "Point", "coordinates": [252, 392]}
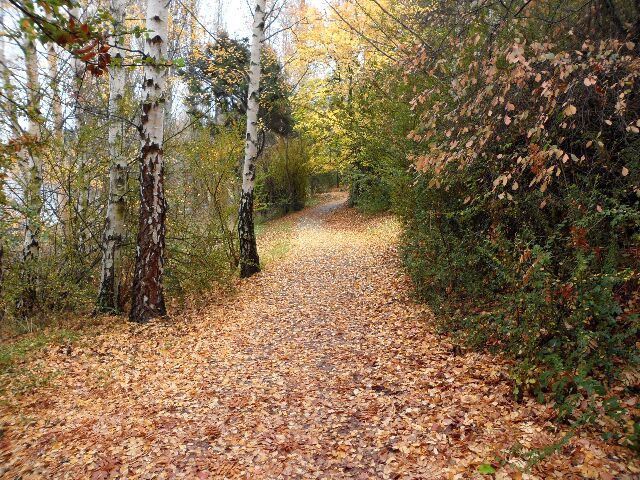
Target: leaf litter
{"type": "Point", "coordinates": [321, 366]}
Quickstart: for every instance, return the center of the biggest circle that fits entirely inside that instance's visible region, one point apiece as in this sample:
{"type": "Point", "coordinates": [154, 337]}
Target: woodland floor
{"type": "Point", "coordinates": [319, 367]}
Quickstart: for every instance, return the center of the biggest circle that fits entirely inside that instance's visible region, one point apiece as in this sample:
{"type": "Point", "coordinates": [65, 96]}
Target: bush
{"type": "Point", "coordinates": [324, 181]}
{"type": "Point", "coordinates": [202, 193]}
{"type": "Point", "coordinates": [282, 181]}
{"type": "Point", "coordinates": [369, 192]}
{"type": "Point", "coordinates": [523, 226]}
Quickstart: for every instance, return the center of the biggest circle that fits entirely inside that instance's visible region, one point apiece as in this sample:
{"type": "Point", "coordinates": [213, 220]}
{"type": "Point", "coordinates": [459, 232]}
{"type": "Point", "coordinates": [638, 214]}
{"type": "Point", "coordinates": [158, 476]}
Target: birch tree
{"type": "Point", "coordinates": [31, 163]}
{"type": "Point", "coordinates": [108, 296]}
{"type": "Point", "coordinates": [56, 101]}
{"type": "Point", "coordinates": [84, 92]}
{"type": "Point", "coordinates": [31, 166]}
{"type": "Point", "coordinates": [148, 295]}
{"type": "Point", "coordinates": [58, 126]}
{"type": "Point", "coordinates": [249, 260]}
{"type": "Point", "coordinates": [10, 118]}
{"type": "Point", "coordinates": [8, 100]}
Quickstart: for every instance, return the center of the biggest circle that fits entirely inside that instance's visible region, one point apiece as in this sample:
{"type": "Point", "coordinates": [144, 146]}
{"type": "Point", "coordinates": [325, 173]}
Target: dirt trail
{"type": "Point", "coordinates": [319, 367]}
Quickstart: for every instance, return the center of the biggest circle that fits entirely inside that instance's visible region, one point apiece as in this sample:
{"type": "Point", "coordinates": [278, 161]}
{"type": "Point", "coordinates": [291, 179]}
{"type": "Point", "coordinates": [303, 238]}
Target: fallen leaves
{"type": "Point", "coordinates": [320, 367]}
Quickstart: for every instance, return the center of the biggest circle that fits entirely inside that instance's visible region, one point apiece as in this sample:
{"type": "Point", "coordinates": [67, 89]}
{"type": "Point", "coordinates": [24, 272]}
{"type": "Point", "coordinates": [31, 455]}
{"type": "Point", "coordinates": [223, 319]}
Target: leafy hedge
{"type": "Point", "coordinates": [282, 180]}
{"type": "Point", "coordinates": [523, 223]}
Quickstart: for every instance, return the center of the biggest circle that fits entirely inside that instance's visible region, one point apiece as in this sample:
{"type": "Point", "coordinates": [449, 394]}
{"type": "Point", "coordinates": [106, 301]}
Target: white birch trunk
{"type": "Point", "coordinates": [78, 70]}
{"type": "Point", "coordinates": [79, 201]}
{"type": "Point", "coordinates": [8, 109]}
{"type": "Point", "coordinates": [31, 166]}
{"type": "Point", "coordinates": [148, 294]}
{"type": "Point", "coordinates": [249, 260]}
{"type": "Point", "coordinates": [112, 239]}
{"type": "Point", "coordinates": [58, 125]}
{"type": "Point", "coordinates": [31, 162]}
{"type": "Point", "coordinates": [8, 101]}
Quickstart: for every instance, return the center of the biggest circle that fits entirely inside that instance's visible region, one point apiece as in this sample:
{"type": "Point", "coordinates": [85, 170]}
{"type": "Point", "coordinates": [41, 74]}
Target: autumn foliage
{"type": "Point", "coordinates": [523, 222]}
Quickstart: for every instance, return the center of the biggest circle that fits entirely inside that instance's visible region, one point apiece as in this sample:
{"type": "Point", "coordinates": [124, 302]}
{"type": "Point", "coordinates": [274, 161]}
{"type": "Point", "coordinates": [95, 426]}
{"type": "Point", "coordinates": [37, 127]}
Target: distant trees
{"type": "Point", "coordinates": [217, 76]}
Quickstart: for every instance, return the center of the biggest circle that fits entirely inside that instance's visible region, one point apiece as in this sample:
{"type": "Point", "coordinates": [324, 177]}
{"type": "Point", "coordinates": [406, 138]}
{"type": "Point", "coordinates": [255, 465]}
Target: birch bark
{"type": "Point", "coordinates": [148, 294]}
{"type": "Point", "coordinates": [80, 201]}
{"type": "Point", "coordinates": [58, 128]}
{"type": "Point", "coordinates": [31, 163]}
{"type": "Point", "coordinates": [113, 235]}
{"type": "Point", "coordinates": [9, 111]}
{"type": "Point", "coordinates": [9, 99]}
{"type": "Point", "coordinates": [31, 166]}
{"type": "Point", "coordinates": [249, 260]}
{"type": "Point", "coordinates": [56, 102]}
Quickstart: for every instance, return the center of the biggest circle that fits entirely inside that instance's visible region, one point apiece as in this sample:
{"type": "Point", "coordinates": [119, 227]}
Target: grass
{"type": "Point", "coordinates": [274, 238]}
{"type": "Point", "coordinates": [313, 201]}
{"type": "Point", "coordinates": [275, 251]}
{"type": "Point", "coordinates": [27, 380]}
{"type": "Point", "coordinates": [18, 379]}
{"type": "Point", "coordinates": [15, 352]}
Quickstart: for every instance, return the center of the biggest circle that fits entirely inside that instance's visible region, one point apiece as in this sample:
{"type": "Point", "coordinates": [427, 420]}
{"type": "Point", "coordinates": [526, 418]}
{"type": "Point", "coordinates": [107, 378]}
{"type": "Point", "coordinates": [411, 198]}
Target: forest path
{"type": "Point", "coordinates": [319, 367]}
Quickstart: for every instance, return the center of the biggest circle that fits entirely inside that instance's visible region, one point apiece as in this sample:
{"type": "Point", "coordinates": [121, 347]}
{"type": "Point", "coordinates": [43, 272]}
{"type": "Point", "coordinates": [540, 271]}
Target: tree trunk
{"type": "Point", "coordinates": [148, 295]}
{"type": "Point", "coordinates": [56, 102]}
{"type": "Point", "coordinates": [249, 261]}
{"type": "Point", "coordinates": [31, 162]}
{"type": "Point", "coordinates": [5, 108]}
{"type": "Point", "coordinates": [113, 235]}
{"type": "Point", "coordinates": [1, 275]}
{"type": "Point", "coordinates": [31, 166]}
{"type": "Point", "coordinates": [79, 201]}
{"type": "Point", "coordinates": [58, 128]}
{"type": "Point", "coordinates": [8, 102]}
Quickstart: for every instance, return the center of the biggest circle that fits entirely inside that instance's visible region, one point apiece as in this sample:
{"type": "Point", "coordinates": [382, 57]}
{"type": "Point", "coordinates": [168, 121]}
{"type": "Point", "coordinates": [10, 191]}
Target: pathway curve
{"type": "Point", "coordinates": [319, 367]}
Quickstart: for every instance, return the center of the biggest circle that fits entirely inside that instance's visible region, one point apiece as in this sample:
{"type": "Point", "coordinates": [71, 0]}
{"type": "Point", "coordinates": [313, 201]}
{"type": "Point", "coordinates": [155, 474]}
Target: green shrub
{"type": "Point", "coordinates": [369, 192]}
{"type": "Point", "coordinates": [282, 181]}
{"type": "Point", "coordinates": [523, 223]}
{"type": "Point", "coordinates": [202, 191]}
{"type": "Point", "coordinates": [46, 287]}
{"type": "Point", "coordinates": [324, 181]}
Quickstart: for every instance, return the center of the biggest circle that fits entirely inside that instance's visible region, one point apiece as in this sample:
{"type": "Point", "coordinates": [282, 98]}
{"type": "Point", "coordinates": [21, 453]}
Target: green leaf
{"type": "Point", "coordinates": [486, 469]}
